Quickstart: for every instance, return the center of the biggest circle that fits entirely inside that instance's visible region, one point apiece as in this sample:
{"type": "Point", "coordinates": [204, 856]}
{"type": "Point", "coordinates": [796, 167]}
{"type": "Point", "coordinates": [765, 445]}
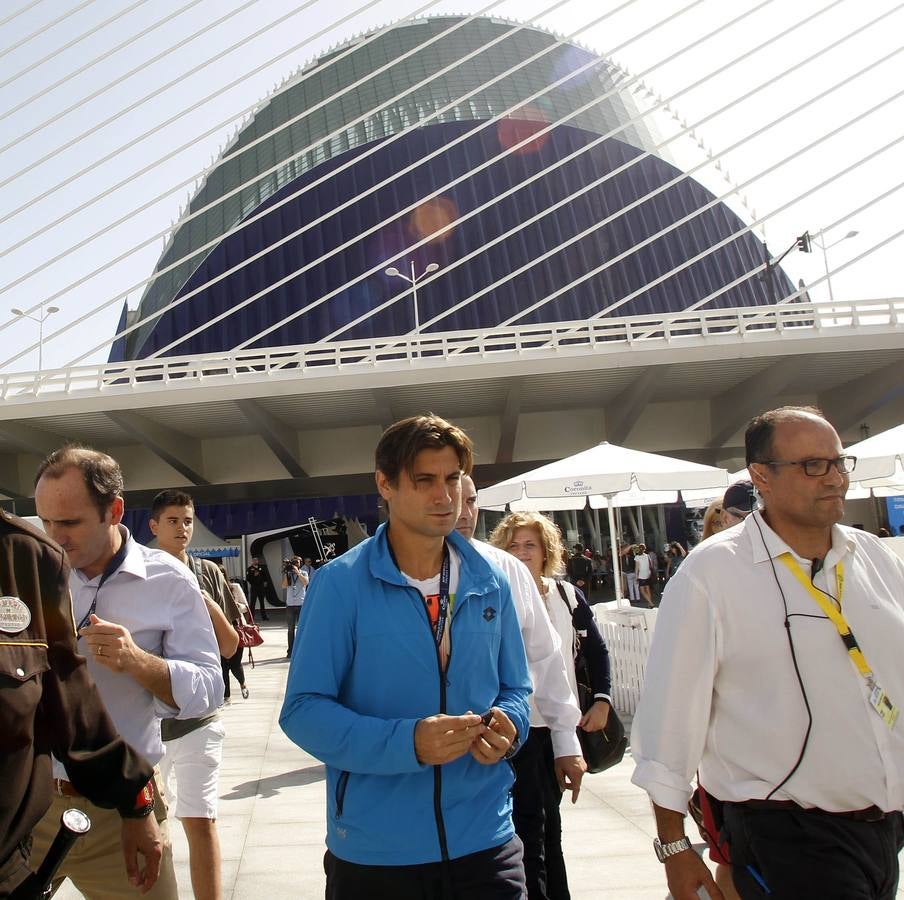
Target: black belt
{"type": "Point", "coordinates": [870, 814]}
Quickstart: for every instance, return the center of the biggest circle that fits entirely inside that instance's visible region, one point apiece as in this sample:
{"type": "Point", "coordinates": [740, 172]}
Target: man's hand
{"type": "Point", "coordinates": [494, 742]}
{"type": "Point", "coordinates": [685, 873]}
{"type": "Point", "coordinates": [441, 739]}
{"type": "Point", "coordinates": [111, 645]}
{"type": "Point", "coordinates": [142, 836]}
{"type": "Point", "coordinates": [596, 717]}
{"type": "Point", "coordinates": [569, 772]}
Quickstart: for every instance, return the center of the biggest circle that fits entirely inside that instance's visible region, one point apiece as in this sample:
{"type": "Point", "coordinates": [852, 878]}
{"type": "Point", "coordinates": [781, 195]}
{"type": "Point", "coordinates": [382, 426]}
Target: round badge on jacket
{"type": "Point", "coordinates": [15, 616]}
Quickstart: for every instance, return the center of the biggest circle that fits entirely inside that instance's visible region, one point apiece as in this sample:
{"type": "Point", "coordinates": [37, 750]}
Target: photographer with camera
{"type": "Point", "coordinates": [295, 582]}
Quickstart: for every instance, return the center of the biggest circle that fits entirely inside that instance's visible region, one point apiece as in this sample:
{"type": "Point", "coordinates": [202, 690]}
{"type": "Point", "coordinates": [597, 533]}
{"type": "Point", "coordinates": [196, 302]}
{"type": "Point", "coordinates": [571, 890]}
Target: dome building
{"type": "Point", "coordinates": [387, 154]}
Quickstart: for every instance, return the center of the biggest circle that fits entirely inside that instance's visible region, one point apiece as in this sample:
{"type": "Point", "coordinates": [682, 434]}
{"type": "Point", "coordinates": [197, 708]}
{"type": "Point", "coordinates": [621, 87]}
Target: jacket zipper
{"type": "Point", "coordinates": [341, 787]}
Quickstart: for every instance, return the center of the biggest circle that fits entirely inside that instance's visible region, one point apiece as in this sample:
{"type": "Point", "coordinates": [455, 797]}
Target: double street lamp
{"type": "Point", "coordinates": [40, 319]}
{"type": "Point", "coordinates": [825, 256]}
{"type": "Point", "coordinates": [413, 279]}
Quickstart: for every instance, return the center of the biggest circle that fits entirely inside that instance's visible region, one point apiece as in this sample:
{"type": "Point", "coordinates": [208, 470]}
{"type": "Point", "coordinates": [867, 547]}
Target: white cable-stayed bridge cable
{"type": "Point", "coordinates": [731, 238]}
{"type": "Point", "coordinates": [850, 214]}
{"type": "Point", "coordinates": [45, 27]}
{"type": "Point", "coordinates": [20, 11]}
{"type": "Point", "coordinates": [333, 174]}
{"type": "Point", "coordinates": [93, 62]}
{"type": "Point", "coordinates": [620, 169]}
{"type": "Point", "coordinates": [56, 52]}
{"type": "Point", "coordinates": [271, 287]}
{"type": "Point", "coordinates": [592, 63]}
{"type": "Point", "coordinates": [205, 173]}
{"type": "Point", "coordinates": [149, 96]}
{"type": "Point", "coordinates": [455, 263]}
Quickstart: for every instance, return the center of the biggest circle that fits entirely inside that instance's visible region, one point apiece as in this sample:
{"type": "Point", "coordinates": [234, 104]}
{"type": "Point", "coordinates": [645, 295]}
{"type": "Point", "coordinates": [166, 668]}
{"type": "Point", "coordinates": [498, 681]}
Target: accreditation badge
{"type": "Point", "coordinates": [883, 705]}
{"type": "Point", "coordinates": [15, 616]}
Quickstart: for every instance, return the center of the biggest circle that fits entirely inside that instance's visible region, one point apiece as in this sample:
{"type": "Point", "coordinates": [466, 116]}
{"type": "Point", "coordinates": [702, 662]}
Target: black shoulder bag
{"type": "Point", "coordinates": [601, 749]}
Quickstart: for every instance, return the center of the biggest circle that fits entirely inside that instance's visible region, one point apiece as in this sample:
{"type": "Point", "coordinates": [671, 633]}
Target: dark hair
{"type": "Point", "coordinates": [758, 436]}
{"type": "Point", "coordinates": [401, 443]}
{"type": "Point", "coordinates": [170, 497]}
{"type": "Point", "coordinates": [101, 473]}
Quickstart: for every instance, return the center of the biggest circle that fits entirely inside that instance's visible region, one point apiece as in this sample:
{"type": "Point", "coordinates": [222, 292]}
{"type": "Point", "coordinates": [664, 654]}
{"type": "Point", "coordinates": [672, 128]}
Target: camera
{"type": "Point", "coordinates": [288, 564]}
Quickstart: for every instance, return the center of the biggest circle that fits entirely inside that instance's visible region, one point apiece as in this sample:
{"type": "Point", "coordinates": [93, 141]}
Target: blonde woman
{"type": "Point", "coordinates": [537, 793]}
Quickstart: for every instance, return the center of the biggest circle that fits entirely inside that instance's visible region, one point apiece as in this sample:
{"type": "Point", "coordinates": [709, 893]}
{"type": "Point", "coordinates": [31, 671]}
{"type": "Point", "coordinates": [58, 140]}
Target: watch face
{"type": "Point", "coordinates": [76, 821]}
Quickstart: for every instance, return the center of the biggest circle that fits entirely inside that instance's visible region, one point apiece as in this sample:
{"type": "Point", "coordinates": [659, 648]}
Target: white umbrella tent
{"type": "Point", "coordinates": [880, 464]}
{"type": "Point", "coordinates": [608, 476]}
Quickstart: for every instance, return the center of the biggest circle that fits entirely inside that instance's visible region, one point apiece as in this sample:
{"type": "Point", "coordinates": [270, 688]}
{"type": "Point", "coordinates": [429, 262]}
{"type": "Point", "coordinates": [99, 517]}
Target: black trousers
{"type": "Point", "coordinates": [494, 874]}
{"type": "Point", "coordinates": [801, 854]}
{"type": "Point", "coordinates": [292, 614]}
{"type": "Point", "coordinates": [257, 595]}
{"type": "Point", "coordinates": [234, 665]}
{"type": "Point", "coordinates": [536, 798]}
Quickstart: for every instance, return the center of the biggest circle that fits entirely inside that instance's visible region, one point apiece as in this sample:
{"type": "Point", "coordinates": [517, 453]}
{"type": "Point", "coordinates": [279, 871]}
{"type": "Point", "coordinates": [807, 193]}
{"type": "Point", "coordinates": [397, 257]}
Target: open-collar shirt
{"type": "Point", "coordinates": [158, 600]}
{"type": "Point", "coordinates": [721, 693]}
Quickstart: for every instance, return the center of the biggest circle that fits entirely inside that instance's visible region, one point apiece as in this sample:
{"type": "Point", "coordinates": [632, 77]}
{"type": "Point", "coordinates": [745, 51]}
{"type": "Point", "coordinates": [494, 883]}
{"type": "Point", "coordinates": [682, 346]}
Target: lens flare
{"type": "Point", "coordinates": [528, 122]}
{"type": "Point", "coordinates": [431, 216]}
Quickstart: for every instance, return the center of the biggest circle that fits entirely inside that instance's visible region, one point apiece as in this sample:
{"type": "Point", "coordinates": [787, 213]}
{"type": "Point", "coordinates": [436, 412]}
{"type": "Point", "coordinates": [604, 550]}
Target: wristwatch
{"type": "Point", "coordinates": [664, 851]}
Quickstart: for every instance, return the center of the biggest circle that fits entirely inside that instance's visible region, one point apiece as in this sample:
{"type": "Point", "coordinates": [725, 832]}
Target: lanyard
{"type": "Point", "coordinates": [832, 611]}
{"type": "Point", "coordinates": [445, 576]}
{"type": "Point", "coordinates": [878, 699]}
{"type": "Point", "coordinates": [111, 568]}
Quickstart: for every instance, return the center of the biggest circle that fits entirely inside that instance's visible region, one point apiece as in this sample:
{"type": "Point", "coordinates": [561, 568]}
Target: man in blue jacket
{"type": "Point", "coordinates": [409, 680]}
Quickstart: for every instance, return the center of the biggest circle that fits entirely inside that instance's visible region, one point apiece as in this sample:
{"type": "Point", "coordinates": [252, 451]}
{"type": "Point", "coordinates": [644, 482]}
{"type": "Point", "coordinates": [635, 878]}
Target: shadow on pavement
{"type": "Point", "coordinates": [273, 784]}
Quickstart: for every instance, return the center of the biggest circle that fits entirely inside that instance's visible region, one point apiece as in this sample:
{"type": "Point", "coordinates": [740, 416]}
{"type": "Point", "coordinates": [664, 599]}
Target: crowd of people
{"type": "Point", "coordinates": [435, 676]}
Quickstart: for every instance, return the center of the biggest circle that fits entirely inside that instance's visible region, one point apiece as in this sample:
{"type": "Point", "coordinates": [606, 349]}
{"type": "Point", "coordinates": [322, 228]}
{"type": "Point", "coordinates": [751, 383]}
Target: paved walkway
{"type": "Point", "coordinates": [273, 803]}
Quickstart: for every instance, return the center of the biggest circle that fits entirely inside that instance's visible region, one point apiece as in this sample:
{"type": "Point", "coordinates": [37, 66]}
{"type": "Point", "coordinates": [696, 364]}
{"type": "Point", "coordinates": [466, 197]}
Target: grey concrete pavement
{"type": "Point", "coordinates": [273, 806]}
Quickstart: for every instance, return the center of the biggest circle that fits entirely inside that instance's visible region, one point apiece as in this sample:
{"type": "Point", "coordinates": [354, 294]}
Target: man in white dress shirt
{"type": "Point", "coordinates": [553, 704]}
{"type": "Point", "coordinates": [776, 670]}
{"type": "Point", "coordinates": [148, 640]}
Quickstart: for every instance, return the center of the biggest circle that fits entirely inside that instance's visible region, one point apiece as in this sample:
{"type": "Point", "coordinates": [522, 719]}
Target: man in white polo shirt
{"type": "Point", "coordinates": [776, 672]}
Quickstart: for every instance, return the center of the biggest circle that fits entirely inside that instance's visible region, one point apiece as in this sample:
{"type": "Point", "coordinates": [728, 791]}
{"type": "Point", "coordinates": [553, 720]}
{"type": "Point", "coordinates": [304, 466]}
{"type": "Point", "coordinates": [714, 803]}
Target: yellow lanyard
{"type": "Point", "coordinates": [832, 611]}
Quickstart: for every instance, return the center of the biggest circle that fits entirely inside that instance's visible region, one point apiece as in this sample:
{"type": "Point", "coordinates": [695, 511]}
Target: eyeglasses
{"type": "Point", "coordinates": [816, 468]}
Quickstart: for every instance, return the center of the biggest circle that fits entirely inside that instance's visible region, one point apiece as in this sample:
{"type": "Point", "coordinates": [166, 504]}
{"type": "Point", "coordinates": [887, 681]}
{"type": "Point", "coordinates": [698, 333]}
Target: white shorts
{"type": "Point", "coordinates": [191, 772]}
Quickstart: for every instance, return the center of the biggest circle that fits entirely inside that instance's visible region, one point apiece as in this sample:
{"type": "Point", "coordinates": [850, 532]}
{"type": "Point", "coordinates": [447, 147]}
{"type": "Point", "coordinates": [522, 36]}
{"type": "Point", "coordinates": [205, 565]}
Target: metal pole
{"type": "Point", "coordinates": [616, 568]}
{"type": "Point", "coordinates": [417, 318]}
{"type": "Point", "coordinates": [825, 259]}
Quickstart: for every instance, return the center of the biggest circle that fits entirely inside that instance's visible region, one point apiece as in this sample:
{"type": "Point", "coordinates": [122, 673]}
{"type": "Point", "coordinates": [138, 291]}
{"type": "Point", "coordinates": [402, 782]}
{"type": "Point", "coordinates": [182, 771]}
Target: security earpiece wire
{"type": "Point", "coordinates": [800, 680]}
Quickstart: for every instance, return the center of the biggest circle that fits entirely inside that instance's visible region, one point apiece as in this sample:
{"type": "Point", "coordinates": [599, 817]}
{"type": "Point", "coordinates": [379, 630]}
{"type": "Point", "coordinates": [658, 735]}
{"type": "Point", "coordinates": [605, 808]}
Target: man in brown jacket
{"type": "Point", "coordinates": [49, 704]}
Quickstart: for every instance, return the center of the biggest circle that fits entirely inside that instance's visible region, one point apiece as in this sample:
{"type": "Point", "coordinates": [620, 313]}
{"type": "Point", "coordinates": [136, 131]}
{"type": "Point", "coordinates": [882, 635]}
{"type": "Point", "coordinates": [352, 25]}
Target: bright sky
{"type": "Point", "coordinates": [40, 80]}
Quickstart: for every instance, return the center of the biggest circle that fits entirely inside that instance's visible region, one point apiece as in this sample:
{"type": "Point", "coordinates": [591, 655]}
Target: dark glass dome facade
{"type": "Point", "coordinates": [331, 298]}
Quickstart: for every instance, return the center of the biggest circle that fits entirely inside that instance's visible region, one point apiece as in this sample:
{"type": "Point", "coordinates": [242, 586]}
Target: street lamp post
{"type": "Point", "coordinates": [825, 255]}
{"type": "Point", "coordinates": [413, 279]}
{"type": "Point", "coordinates": [40, 319]}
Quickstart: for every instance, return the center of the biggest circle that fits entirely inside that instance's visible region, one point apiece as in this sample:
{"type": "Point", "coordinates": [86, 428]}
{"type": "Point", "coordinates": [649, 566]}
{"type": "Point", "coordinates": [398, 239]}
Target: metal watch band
{"type": "Point", "coordinates": [664, 851]}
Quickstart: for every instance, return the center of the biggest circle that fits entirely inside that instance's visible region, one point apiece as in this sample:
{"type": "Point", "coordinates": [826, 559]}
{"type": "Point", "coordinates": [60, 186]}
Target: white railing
{"type": "Point", "coordinates": [628, 634]}
{"type": "Point", "coordinates": [608, 335]}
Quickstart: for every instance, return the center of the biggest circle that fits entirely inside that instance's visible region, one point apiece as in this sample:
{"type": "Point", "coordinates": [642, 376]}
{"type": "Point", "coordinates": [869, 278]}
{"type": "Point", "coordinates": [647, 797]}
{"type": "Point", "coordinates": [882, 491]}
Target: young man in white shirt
{"type": "Point", "coordinates": [789, 719]}
{"type": "Point", "coordinates": [194, 747]}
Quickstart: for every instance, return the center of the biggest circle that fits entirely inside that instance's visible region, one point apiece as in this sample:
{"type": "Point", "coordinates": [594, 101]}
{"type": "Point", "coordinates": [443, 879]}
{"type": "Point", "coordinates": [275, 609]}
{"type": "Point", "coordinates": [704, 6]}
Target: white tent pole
{"type": "Point", "coordinates": [616, 568]}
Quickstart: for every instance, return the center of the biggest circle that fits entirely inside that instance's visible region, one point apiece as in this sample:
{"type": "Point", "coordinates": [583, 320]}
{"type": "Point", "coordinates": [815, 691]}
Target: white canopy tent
{"type": "Point", "coordinates": [880, 456]}
{"type": "Point", "coordinates": [608, 476]}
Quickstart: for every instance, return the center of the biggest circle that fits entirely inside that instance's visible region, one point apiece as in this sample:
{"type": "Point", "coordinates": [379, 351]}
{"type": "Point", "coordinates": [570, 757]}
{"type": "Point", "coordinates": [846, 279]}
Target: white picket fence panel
{"type": "Point", "coordinates": [628, 634]}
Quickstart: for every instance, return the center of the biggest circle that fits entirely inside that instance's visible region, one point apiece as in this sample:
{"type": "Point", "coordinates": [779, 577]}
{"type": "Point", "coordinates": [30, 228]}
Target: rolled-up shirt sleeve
{"type": "Point", "coordinates": [191, 655]}
{"type": "Point", "coordinates": [670, 726]}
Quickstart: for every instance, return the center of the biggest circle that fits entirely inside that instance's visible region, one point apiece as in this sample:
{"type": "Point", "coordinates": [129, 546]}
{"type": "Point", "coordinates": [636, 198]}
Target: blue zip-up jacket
{"type": "Point", "coordinates": [365, 670]}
